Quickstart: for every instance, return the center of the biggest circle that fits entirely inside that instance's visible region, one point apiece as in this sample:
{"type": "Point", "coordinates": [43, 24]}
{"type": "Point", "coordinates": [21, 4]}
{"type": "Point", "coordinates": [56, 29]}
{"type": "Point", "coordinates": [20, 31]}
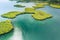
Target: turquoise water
{"type": "Point", "coordinates": [27, 28]}
{"type": "Point", "coordinates": [40, 30]}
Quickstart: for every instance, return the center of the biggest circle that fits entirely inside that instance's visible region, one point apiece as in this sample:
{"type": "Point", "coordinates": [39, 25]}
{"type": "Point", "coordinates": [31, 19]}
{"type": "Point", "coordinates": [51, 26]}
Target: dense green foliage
{"type": "Point", "coordinates": [5, 26]}
{"type": "Point", "coordinates": [50, 1]}
{"type": "Point", "coordinates": [11, 14]}
{"type": "Point", "coordinates": [55, 1]}
{"type": "Point", "coordinates": [41, 15]}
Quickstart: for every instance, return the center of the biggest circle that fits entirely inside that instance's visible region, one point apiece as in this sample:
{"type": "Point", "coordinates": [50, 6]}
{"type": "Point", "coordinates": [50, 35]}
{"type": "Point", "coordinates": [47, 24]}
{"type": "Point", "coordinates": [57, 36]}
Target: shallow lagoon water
{"type": "Point", "coordinates": [27, 28]}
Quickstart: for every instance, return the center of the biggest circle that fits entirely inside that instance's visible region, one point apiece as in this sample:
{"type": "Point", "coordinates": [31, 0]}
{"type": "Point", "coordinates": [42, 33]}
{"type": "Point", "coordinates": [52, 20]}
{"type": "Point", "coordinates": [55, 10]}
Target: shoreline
{"type": "Point", "coordinates": [55, 6]}
{"type": "Point", "coordinates": [40, 15]}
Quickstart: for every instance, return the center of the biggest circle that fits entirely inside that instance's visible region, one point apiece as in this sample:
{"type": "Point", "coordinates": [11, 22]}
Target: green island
{"type": "Point", "coordinates": [30, 10]}
{"type": "Point", "coordinates": [40, 15]}
{"type": "Point", "coordinates": [55, 5]}
{"type": "Point", "coordinates": [17, 5]}
{"type": "Point", "coordinates": [11, 14]}
{"type": "Point", "coordinates": [5, 27]}
{"type": "Point", "coordinates": [40, 5]}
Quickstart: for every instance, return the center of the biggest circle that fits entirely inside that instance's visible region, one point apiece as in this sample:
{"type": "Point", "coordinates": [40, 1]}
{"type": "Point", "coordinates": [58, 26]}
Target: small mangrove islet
{"type": "Point", "coordinates": [55, 6]}
{"type": "Point", "coordinates": [5, 27]}
{"type": "Point", "coordinates": [17, 5]}
{"type": "Point", "coordinates": [11, 14]}
{"type": "Point", "coordinates": [30, 10]}
{"type": "Point", "coordinates": [39, 5]}
{"type": "Point", "coordinates": [40, 15]}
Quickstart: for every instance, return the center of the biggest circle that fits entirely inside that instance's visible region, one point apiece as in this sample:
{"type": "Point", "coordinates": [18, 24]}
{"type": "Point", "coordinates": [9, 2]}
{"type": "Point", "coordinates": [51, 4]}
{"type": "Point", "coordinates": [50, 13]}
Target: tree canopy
{"type": "Point", "coordinates": [50, 1]}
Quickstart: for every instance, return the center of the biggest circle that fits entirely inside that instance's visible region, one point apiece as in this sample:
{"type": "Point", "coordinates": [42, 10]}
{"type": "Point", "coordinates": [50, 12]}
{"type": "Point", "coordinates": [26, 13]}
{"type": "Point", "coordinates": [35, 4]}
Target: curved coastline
{"type": "Point", "coordinates": [11, 14]}
{"type": "Point", "coordinates": [40, 15]}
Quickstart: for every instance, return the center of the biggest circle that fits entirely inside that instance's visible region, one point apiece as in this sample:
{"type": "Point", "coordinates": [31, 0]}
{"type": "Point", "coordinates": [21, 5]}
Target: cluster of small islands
{"type": "Point", "coordinates": [36, 14]}
{"type": "Point", "coordinates": [6, 26]}
{"type": "Point", "coordinates": [40, 5]}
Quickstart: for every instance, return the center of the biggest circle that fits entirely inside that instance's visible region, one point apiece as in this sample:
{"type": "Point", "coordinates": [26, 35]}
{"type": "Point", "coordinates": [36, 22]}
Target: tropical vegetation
{"type": "Point", "coordinates": [5, 27]}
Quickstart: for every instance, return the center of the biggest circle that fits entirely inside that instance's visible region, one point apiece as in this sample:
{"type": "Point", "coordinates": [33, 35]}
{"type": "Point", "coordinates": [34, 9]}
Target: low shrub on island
{"type": "Point", "coordinates": [11, 14]}
{"type": "Point", "coordinates": [40, 5]}
{"type": "Point", "coordinates": [5, 27]}
{"type": "Point", "coordinates": [40, 15]}
{"type": "Point", "coordinates": [30, 10]}
{"type": "Point", "coordinates": [55, 6]}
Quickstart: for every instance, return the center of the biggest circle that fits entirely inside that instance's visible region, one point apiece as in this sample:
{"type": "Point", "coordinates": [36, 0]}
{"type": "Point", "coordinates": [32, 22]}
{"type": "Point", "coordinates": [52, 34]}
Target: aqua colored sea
{"type": "Point", "coordinates": [27, 28]}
